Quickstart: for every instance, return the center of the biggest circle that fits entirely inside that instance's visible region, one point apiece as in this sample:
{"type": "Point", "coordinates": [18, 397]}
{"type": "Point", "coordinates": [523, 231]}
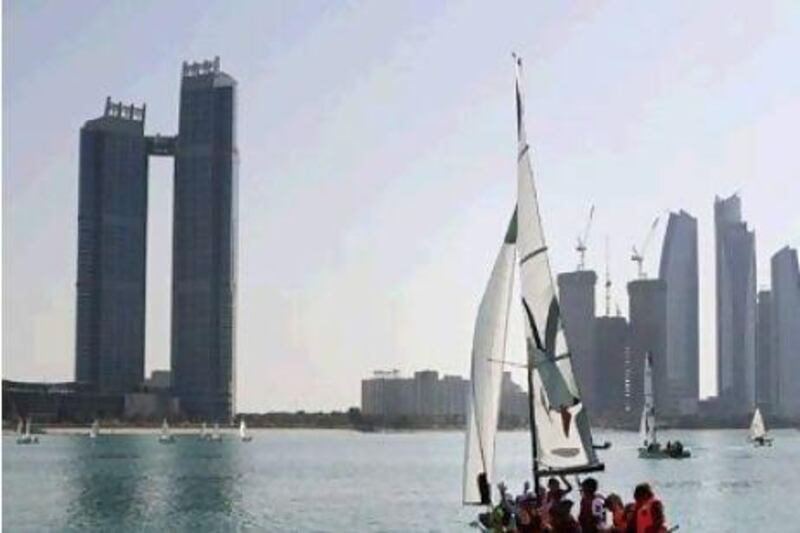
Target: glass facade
{"type": "Point", "coordinates": [112, 237]}
{"type": "Point", "coordinates": [204, 246]}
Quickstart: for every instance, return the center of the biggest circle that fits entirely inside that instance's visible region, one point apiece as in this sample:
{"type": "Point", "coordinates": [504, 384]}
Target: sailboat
{"type": "Point", "coordinates": [94, 431]}
{"type": "Point", "coordinates": [651, 448]}
{"type": "Point", "coordinates": [24, 430]}
{"type": "Point", "coordinates": [204, 435]}
{"type": "Point", "coordinates": [561, 439]}
{"type": "Point", "coordinates": [215, 435]}
{"type": "Point", "coordinates": [758, 432]}
{"type": "Point", "coordinates": [243, 432]}
{"type": "Point", "coordinates": [165, 437]}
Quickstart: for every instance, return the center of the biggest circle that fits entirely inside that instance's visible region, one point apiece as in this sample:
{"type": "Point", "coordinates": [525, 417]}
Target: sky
{"type": "Point", "coordinates": [378, 167]}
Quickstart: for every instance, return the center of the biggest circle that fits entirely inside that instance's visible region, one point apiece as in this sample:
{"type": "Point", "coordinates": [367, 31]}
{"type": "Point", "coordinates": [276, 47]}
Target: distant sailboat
{"type": "Point", "coordinates": [25, 436]}
{"type": "Point", "coordinates": [758, 431]}
{"type": "Point", "coordinates": [243, 432]}
{"type": "Point", "coordinates": [165, 437]}
{"type": "Point", "coordinates": [94, 431]}
{"type": "Point", "coordinates": [561, 440]}
{"type": "Point", "coordinates": [215, 435]}
{"type": "Point", "coordinates": [204, 435]}
{"type": "Point", "coordinates": [651, 448]}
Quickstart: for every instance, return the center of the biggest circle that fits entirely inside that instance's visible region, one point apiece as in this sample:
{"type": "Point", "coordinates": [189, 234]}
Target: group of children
{"type": "Point", "coordinates": [551, 511]}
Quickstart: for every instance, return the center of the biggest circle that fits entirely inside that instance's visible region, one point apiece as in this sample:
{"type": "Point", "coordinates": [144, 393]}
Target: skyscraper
{"type": "Point", "coordinates": [611, 351]}
{"type": "Point", "coordinates": [576, 299]}
{"type": "Point", "coordinates": [648, 333]}
{"type": "Point", "coordinates": [112, 237]}
{"type": "Point", "coordinates": [736, 306]}
{"type": "Point", "coordinates": [766, 367]}
{"type": "Point", "coordinates": [679, 270]}
{"type": "Point", "coordinates": [786, 301]}
{"type": "Point", "coordinates": [204, 243]}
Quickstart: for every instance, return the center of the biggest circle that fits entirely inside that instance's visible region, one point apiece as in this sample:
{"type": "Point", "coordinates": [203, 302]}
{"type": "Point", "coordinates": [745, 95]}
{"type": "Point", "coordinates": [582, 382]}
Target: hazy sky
{"type": "Point", "coordinates": [377, 145]}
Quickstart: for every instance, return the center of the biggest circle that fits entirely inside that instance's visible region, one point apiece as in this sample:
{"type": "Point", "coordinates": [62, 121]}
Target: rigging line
{"type": "Point", "coordinates": [509, 363]}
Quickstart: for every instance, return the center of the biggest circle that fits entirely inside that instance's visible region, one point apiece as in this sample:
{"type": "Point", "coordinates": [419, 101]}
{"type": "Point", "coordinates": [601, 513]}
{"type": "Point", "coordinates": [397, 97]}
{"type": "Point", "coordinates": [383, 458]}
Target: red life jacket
{"type": "Point", "coordinates": [644, 518]}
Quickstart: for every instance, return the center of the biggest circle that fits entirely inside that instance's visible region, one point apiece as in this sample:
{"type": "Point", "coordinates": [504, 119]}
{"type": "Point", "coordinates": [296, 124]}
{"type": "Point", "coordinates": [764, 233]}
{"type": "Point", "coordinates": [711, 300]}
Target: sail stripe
{"type": "Point", "coordinates": [533, 254]}
{"type": "Point", "coordinates": [551, 329]}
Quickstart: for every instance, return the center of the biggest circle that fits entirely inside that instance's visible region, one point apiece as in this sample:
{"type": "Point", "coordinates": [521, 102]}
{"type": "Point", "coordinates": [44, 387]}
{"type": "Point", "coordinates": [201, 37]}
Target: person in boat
{"type": "Point", "coordinates": [529, 519]}
{"type": "Point", "coordinates": [553, 495]}
{"type": "Point", "coordinates": [630, 518]}
{"type": "Point", "coordinates": [592, 514]}
{"type": "Point", "coordinates": [561, 519]}
{"type": "Point", "coordinates": [554, 491]}
{"type": "Point", "coordinates": [649, 511]}
{"type": "Point", "coordinates": [616, 509]}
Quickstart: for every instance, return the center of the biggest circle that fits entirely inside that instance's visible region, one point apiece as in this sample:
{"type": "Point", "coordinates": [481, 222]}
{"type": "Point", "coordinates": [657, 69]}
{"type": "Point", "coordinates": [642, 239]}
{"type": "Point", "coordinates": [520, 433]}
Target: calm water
{"type": "Point", "coordinates": [346, 481]}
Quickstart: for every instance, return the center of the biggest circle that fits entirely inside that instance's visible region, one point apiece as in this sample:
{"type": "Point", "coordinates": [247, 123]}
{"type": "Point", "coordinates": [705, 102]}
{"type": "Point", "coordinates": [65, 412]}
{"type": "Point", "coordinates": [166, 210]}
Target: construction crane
{"type": "Point", "coordinates": [638, 254]}
{"type": "Point", "coordinates": [583, 241]}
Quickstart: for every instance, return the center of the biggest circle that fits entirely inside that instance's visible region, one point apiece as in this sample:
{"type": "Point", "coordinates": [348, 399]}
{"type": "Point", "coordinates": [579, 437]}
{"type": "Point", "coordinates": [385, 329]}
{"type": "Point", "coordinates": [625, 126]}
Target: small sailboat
{"type": "Point", "coordinates": [758, 431]}
{"type": "Point", "coordinates": [651, 448]}
{"type": "Point", "coordinates": [165, 437]}
{"type": "Point", "coordinates": [243, 432]}
{"type": "Point", "coordinates": [204, 435]}
{"type": "Point", "coordinates": [215, 435]}
{"type": "Point", "coordinates": [94, 431]}
{"type": "Point", "coordinates": [24, 430]}
{"type": "Point", "coordinates": [561, 439]}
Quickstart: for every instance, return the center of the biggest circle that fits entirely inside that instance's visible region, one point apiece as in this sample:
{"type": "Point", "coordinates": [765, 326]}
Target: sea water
{"type": "Point", "coordinates": [317, 480]}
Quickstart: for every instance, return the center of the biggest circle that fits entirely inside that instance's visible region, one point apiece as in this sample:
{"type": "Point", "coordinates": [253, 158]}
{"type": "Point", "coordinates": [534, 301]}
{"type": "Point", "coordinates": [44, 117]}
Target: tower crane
{"type": "Point", "coordinates": [638, 254]}
{"type": "Point", "coordinates": [583, 241]}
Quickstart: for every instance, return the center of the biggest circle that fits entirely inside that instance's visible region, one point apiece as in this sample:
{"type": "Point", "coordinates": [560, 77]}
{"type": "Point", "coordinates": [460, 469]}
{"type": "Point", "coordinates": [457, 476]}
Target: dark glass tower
{"type": "Point", "coordinates": [679, 269]}
{"type": "Point", "coordinates": [204, 244]}
{"type": "Point", "coordinates": [112, 237]}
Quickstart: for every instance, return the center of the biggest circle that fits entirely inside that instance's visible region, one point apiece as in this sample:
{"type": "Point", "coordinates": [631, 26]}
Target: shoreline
{"type": "Point", "coordinates": [234, 430]}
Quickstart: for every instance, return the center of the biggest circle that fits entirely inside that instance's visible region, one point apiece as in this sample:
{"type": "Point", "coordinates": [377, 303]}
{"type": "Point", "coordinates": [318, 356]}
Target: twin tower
{"type": "Point", "coordinates": [112, 245]}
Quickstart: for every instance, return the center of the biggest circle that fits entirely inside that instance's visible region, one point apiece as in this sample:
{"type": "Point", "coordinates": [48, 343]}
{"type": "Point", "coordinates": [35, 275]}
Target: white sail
{"type": "Point", "coordinates": [203, 431]}
{"type": "Point", "coordinates": [647, 428]}
{"type": "Point", "coordinates": [488, 352]}
{"type": "Point", "coordinates": [757, 428]}
{"type": "Point", "coordinates": [28, 428]}
{"type": "Point", "coordinates": [164, 428]}
{"type": "Point", "coordinates": [20, 427]}
{"type": "Point", "coordinates": [95, 429]}
{"type": "Point", "coordinates": [563, 435]}
{"type": "Point", "coordinates": [242, 429]}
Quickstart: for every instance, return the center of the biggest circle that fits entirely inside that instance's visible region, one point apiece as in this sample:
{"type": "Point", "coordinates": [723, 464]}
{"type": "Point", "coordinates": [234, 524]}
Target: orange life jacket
{"type": "Point", "coordinates": [644, 519]}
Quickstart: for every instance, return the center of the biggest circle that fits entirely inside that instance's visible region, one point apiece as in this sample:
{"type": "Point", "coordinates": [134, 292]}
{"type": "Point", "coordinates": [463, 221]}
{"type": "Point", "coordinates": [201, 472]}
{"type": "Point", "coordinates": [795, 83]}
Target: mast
{"type": "Point", "coordinates": [522, 147]}
{"type": "Point", "coordinates": [532, 422]}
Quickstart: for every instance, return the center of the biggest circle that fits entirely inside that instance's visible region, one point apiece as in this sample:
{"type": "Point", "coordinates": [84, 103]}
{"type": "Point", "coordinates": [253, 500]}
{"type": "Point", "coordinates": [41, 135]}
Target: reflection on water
{"type": "Point", "coordinates": [344, 481]}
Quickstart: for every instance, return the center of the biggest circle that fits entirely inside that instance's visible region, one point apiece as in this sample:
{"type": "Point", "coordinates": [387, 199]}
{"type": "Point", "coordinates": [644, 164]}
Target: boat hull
{"type": "Point", "coordinates": [661, 453]}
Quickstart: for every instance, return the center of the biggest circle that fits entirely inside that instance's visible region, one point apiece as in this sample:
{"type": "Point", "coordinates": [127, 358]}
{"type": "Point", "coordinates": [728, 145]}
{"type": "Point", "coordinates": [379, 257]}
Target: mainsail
{"type": "Point", "coordinates": [563, 440]}
{"type": "Point", "coordinates": [757, 428]}
{"type": "Point", "coordinates": [647, 427]}
{"type": "Point", "coordinates": [488, 353]}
